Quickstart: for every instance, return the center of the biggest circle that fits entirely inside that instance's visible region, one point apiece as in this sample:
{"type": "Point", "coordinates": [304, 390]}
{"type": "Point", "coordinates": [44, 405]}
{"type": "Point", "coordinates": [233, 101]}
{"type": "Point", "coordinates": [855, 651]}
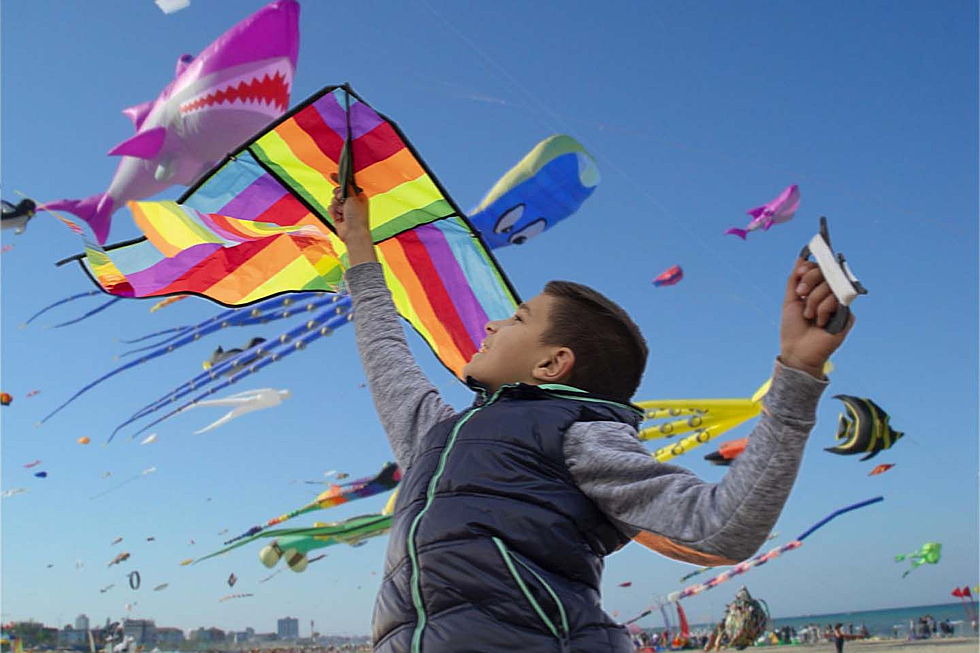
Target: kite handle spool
{"type": "Point", "coordinates": [838, 275]}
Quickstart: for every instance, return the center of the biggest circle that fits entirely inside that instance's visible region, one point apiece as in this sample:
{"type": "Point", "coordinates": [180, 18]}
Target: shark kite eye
{"type": "Point", "coordinates": [507, 221]}
{"type": "Point", "coordinates": [529, 231]}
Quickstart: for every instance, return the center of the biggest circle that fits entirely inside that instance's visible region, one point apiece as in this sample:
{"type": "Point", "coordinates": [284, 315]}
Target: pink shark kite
{"type": "Point", "coordinates": [236, 86]}
{"type": "Point", "coordinates": [782, 209]}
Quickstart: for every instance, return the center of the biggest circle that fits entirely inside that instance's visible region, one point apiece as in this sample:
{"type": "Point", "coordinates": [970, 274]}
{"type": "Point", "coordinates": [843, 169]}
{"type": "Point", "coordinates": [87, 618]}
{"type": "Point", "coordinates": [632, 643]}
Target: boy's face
{"type": "Point", "coordinates": [512, 350]}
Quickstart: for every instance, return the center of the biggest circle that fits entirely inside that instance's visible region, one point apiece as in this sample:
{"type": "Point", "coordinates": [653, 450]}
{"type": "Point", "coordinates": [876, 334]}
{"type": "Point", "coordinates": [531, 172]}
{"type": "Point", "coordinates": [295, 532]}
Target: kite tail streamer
{"type": "Point", "coordinates": [195, 383]}
{"type": "Point", "coordinates": [154, 335]}
{"type": "Point", "coordinates": [242, 317]}
{"type": "Point", "coordinates": [837, 513]}
{"type": "Point", "coordinates": [291, 343]}
{"type": "Point", "coordinates": [104, 377]}
{"type": "Point", "coordinates": [323, 320]}
{"type": "Point", "coordinates": [756, 561]}
{"type": "Point", "coordinates": [115, 487]}
{"type": "Point", "coordinates": [645, 613]}
{"type": "Point", "coordinates": [95, 310]}
{"type": "Point", "coordinates": [338, 301]}
{"type": "Point", "coordinates": [90, 293]}
{"type": "Point", "coordinates": [228, 314]}
{"type": "Point", "coordinates": [175, 342]}
{"type": "Point", "coordinates": [122, 368]}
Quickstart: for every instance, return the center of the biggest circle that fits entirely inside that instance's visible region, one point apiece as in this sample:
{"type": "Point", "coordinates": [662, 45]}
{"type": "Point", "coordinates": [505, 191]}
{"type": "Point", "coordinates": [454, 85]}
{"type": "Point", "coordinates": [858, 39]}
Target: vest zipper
{"type": "Point", "coordinates": [509, 560]}
{"type": "Point", "coordinates": [429, 497]}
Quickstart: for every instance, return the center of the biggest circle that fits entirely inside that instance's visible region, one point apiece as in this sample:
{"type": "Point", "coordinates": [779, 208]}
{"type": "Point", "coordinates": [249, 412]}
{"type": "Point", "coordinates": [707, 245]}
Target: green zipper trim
{"type": "Point", "coordinates": [430, 495]}
{"type": "Point", "coordinates": [561, 386]}
{"type": "Point", "coordinates": [554, 596]}
{"type": "Point", "coordinates": [527, 593]}
{"type": "Point", "coordinates": [568, 388]}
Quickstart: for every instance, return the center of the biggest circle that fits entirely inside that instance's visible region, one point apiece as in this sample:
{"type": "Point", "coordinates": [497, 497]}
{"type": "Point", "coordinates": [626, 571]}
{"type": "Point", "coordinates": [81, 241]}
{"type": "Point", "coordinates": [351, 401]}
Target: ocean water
{"type": "Point", "coordinates": [891, 622]}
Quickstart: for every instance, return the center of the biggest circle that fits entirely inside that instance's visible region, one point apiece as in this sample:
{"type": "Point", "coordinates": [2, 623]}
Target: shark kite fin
{"type": "Point", "coordinates": [144, 145]}
{"type": "Point", "coordinates": [138, 112]}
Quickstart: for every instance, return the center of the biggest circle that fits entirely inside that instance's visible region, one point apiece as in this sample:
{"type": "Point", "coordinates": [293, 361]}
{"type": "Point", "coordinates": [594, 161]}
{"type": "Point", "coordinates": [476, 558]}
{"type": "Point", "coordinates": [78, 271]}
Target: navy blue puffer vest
{"type": "Point", "coordinates": [493, 547]}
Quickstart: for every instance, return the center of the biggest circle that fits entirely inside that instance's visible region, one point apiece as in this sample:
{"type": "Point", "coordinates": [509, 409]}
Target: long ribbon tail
{"type": "Point", "coordinates": [292, 344]}
{"type": "Point", "coordinates": [47, 308]}
{"type": "Point", "coordinates": [837, 513]}
{"type": "Point", "coordinates": [204, 378]}
{"type": "Point", "coordinates": [104, 377]}
{"type": "Point", "coordinates": [638, 617]}
{"type": "Point", "coordinates": [95, 310]}
{"type": "Point", "coordinates": [241, 317]}
{"type": "Point", "coordinates": [155, 334]}
{"type": "Point", "coordinates": [755, 561]}
{"type": "Point", "coordinates": [331, 319]}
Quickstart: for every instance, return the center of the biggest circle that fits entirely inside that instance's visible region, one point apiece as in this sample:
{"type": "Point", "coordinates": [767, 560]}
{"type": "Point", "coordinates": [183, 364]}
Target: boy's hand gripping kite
{"type": "Point", "coordinates": [838, 275]}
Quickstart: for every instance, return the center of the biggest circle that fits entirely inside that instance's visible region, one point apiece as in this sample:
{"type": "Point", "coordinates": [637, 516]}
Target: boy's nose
{"type": "Point", "coordinates": [491, 327]}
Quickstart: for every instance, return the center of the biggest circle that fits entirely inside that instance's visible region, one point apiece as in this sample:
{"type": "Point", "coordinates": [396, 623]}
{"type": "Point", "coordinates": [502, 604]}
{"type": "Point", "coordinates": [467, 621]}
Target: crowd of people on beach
{"type": "Point", "coordinates": [926, 627]}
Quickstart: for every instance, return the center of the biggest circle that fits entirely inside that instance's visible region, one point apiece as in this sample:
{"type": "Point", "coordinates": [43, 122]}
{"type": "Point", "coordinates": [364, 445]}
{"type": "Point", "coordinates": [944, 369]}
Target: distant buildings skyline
{"type": "Point", "coordinates": [145, 632]}
{"type": "Point", "coordinates": [287, 628]}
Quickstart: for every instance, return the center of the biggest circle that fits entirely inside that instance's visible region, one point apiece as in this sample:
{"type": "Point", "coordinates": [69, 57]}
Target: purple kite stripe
{"type": "Point", "coordinates": [468, 307]}
{"type": "Point", "coordinates": [218, 228]}
{"type": "Point", "coordinates": [255, 199]}
{"type": "Point", "coordinates": [162, 274]}
{"type": "Point", "coordinates": [362, 117]}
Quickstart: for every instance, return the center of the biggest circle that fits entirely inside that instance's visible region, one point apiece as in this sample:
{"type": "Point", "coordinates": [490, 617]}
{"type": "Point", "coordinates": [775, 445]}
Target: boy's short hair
{"type": "Point", "coordinates": [610, 351]}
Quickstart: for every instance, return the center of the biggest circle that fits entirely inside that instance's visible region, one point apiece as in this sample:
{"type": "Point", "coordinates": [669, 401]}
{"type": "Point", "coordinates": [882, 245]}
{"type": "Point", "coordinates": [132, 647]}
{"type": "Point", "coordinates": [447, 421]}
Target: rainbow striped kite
{"type": "Point", "coordinates": [257, 225]}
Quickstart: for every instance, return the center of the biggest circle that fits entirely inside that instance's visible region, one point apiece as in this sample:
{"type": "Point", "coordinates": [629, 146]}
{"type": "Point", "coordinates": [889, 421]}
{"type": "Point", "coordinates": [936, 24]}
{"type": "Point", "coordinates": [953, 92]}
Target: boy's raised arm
{"type": "Point", "coordinates": [671, 510]}
{"type": "Point", "coordinates": [407, 402]}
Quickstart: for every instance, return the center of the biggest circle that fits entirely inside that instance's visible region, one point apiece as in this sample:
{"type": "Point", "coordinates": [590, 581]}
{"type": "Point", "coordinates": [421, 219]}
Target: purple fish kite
{"type": "Point", "coordinates": [217, 100]}
{"type": "Point", "coordinates": [782, 209]}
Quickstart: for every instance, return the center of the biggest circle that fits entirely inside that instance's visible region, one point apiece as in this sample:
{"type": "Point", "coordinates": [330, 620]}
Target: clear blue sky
{"type": "Point", "coordinates": [695, 111]}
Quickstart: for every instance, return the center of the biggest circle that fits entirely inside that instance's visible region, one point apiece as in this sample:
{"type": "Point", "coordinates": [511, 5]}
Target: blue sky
{"type": "Point", "coordinates": [695, 112]}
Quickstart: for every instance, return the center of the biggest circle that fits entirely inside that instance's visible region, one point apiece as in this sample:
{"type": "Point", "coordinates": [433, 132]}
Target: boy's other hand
{"type": "Point", "coordinates": [807, 307]}
{"type": "Point", "coordinates": [350, 216]}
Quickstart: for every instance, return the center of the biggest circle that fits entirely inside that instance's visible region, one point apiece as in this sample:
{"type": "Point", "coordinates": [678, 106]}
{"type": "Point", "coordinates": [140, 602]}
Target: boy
{"type": "Point", "coordinates": [506, 510]}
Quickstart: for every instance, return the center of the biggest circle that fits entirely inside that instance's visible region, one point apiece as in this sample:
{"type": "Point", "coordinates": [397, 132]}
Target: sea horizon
{"type": "Point", "coordinates": [899, 607]}
{"type": "Point", "coordinates": [882, 622]}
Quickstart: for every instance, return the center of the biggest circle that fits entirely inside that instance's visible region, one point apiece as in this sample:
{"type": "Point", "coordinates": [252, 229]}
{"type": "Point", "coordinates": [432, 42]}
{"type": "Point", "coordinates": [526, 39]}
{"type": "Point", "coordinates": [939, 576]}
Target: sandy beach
{"type": "Point", "coordinates": [938, 645]}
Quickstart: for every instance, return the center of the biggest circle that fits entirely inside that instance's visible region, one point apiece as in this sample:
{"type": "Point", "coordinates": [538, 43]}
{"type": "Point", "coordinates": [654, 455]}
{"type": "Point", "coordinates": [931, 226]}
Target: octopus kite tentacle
{"type": "Point", "coordinates": [184, 338]}
{"type": "Point", "coordinates": [258, 350]}
{"type": "Point", "coordinates": [90, 293]}
{"type": "Point", "coordinates": [208, 325]}
{"type": "Point", "coordinates": [240, 317]}
{"type": "Point", "coordinates": [287, 346]}
{"type": "Point", "coordinates": [153, 335]}
{"type": "Point", "coordinates": [321, 324]}
{"type": "Point", "coordinates": [97, 309]}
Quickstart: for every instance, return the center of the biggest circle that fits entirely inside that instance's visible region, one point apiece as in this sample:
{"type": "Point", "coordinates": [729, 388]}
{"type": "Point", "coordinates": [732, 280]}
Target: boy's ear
{"type": "Point", "coordinates": [556, 368]}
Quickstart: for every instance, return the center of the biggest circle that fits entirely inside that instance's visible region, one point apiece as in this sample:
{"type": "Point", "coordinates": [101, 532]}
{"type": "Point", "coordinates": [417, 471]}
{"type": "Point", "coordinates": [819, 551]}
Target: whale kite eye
{"type": "Point", "coordinates": [529, 231]}
{"type": "Point", "coordinates": [507, 221]}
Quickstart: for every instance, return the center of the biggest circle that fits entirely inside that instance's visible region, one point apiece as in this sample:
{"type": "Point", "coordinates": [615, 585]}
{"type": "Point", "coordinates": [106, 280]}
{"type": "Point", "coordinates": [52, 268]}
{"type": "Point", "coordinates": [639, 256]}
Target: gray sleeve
{"type": "Point", "coordinates": [728, 520]}
{"type": "Point", "coordinates": [407, 402]}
